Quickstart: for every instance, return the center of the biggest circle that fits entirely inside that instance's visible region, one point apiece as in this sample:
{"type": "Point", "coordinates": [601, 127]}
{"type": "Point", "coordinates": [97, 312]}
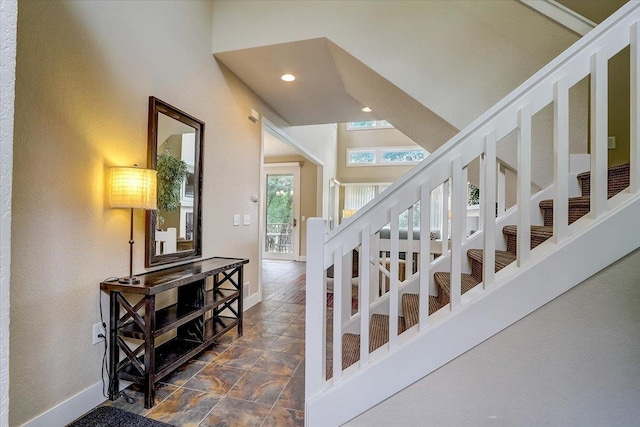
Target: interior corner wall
{"type": "Point", "coordinates": [8, 23]}
{"type": "Point", "coordinates": [322, 142]}
{"type": "Point", "coordinates": [84, 73]}
{"type": "Point", "coordinates": [308, 192]}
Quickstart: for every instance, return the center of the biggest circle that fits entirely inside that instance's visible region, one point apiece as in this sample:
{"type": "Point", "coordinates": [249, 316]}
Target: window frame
{"type": "Point", "coordinates": [377, 124]}
{"type": "Point", "coordinates": [378, 153]}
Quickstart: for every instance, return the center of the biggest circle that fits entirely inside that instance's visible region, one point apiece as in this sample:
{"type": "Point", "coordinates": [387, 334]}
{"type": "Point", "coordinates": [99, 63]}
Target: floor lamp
{"type": "Point", "coordinates": [133, 188]}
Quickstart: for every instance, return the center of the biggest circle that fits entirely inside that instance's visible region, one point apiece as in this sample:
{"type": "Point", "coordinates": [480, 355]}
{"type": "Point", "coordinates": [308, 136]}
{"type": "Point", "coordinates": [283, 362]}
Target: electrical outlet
{"type": "Point", "coordinates": [98, 330]}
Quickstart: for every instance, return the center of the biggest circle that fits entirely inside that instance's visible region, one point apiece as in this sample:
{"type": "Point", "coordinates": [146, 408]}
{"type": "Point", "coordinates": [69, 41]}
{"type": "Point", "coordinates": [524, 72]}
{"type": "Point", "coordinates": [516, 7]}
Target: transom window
{"type": "Point", "coordinates": [369, 124]}
{"type": "Point", "coordinates": [385, 156]}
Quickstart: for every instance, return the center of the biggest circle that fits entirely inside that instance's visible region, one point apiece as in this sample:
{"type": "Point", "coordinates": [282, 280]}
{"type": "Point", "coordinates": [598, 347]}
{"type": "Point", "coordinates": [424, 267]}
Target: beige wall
{"type": "Point", "coordinates": [598, 11]}
{"type": "Point", "coordinates": [320, 141]}
{"type": "Point", "coordinates": [85, 71]}
{"type": "Point", "coordinates": [308, 192]}
{"type": "Point", "coordinates": [367, 139]}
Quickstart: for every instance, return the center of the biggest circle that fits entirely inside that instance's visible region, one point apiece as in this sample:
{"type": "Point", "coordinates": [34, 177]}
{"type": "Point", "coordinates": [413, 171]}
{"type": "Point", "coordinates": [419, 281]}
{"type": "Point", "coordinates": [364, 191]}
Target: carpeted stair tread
{"type": "Point", "coordinates": [443, 280]}
{"type": "Point", "coordinates": [539, 234]}
{"type": "Point", "coordinates": [503, 258]}
{"type": "Point", "coordinates": [378, 336]}
{"type": "Point", "coordinates": [411, 308]}
{"type": "Point", "coordinates": [573, 202]}
{"type": "Point", "coordinates": [578, 207]}
{"type": "Point", "coordinates": [379, 330]}
{"type": "Point", "coordinates": [617, 180]}
{"type": "Point", "coordinates": [350, 352]}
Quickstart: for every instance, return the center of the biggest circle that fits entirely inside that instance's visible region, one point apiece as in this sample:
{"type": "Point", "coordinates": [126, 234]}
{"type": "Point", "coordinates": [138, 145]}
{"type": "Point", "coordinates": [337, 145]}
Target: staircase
{"type": "Point", "coordinates": [618, 180]}
{"type": "Point", "coordinates": [519, 260]}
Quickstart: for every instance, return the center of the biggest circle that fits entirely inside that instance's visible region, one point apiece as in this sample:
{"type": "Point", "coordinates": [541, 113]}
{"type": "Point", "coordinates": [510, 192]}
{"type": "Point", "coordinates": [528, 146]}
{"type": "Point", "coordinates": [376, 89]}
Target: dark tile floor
{"type": "Point", "coordinates": [257, 380]}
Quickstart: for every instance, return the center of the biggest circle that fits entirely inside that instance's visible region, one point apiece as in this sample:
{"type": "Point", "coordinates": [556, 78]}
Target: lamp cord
{"type": "Point", "coordinates": [107, 391]}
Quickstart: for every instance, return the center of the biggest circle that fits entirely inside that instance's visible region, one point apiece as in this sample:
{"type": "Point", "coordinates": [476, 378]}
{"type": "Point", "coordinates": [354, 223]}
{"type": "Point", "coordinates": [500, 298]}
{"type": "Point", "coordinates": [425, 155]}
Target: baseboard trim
{"type": "Point", "coordinates": [302, 258]}
{"type": "Point", "coordinates": [251, 300]}
{"type": "Point", "coordinates": [72, 408]}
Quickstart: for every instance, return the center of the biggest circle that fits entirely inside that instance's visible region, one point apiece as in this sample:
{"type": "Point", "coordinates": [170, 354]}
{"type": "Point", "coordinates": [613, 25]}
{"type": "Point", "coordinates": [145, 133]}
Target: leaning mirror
{"type": "Point", "coordinates": [173, 232]}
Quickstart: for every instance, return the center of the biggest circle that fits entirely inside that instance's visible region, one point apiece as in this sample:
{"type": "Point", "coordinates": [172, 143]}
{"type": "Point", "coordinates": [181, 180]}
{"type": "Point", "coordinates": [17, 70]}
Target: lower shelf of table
{"type": "Point", "coordinates": [177, 351]}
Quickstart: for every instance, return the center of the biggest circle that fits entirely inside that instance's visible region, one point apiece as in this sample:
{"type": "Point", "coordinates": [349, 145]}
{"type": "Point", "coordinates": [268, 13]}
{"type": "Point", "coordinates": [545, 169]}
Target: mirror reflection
{"type": "Point", "coordinates": [174, 150]}
{"type": "Point", "coordinates": [176, 168]}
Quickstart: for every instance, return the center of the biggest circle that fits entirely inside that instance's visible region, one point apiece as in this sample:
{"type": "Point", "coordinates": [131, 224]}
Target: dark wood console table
{"type": "Point", "coordinates": [209, 303]}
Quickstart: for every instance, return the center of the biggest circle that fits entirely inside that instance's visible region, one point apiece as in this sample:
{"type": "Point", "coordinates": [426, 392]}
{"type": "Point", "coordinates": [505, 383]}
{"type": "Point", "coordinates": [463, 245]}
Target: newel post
{"type": "Point", "coordinates": [315, 331]}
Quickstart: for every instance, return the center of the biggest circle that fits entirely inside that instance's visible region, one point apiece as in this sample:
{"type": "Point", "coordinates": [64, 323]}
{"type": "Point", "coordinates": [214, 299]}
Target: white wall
{"type": "Point", "coordinates": [322, 142]}
{"type": "Point", "coordinates": [8, 21]}
{"type": "Point", "coordinates": [85, 70]}
{"type": "Point", "coordinates": [573, 362]}
{"type": "Point", "coordinates": [456, 58]}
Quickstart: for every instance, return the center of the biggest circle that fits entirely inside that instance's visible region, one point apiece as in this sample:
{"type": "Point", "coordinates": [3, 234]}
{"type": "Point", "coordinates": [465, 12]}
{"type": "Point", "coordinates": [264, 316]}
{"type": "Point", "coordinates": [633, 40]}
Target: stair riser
{"type": "Point", "coordinates": [574, 214]}
{"type": "Point", "coordinates": [512, 242]}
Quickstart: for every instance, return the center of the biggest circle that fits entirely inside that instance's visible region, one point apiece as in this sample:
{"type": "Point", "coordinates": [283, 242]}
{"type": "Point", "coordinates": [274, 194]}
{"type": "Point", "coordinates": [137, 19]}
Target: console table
{"type": "Point", "coordinates": [209, 303]}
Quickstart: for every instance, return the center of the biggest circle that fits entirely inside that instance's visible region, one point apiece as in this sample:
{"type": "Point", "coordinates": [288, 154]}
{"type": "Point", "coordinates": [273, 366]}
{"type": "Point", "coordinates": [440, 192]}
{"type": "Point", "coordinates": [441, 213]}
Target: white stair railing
{"type": "Point", "coordinates": [448, 166]}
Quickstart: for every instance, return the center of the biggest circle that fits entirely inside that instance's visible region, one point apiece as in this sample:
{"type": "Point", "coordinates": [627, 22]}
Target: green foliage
{"type": "Point", "coordinates": [171, 173]}
{"type": "Point", "coordinates": [279, 199]}
{"type": "Point", "coordinates": [474, 195]}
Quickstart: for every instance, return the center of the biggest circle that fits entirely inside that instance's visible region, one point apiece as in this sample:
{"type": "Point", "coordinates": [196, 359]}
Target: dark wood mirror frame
{"type": "Point", "coordinates": [156, 107]}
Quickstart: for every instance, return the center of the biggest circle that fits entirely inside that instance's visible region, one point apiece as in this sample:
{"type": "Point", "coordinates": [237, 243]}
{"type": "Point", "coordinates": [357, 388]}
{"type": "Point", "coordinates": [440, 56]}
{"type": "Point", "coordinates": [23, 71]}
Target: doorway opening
{"type": "Point", "coordinates": [282, 211]}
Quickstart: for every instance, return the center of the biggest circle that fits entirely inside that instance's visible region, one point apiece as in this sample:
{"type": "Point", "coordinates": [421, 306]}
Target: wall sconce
{"type": "Point", "coordinates": [133, 188]}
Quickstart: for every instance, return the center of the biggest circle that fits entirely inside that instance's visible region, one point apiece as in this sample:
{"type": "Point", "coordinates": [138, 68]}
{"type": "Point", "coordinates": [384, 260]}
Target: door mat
{"type": "Point", "coordinates": [107, 416]}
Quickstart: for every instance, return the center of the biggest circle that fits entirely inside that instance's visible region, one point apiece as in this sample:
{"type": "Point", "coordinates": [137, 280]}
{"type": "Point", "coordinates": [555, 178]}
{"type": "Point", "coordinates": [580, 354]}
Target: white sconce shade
{"type": "Point", "coordinates": [133, 188]}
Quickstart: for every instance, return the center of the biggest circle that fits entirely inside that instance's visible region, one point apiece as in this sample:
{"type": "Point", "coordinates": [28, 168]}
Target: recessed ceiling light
{"type": "Point", "coordinates": [288, 77]}
{"type": "Point", "coordinates": [366, 109]}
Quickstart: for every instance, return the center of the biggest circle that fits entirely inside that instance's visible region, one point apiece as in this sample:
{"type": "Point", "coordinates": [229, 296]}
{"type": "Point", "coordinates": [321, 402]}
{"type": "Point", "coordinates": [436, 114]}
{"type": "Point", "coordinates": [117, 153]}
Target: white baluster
{"type": "Point", "coordinates": [524, 185]}
{"type": "Point", "coordinates": [376, 285]}
{"type": "Point", "coordinates": [488, 208]}
{"type": "Point", "coordinates": [445, 217]}
{"type": "Point", "coordinates": [502, 189]}
{"type": "Point", "coordinates": [634, 173]}
{"type": "Point", "coordinates": [337, 314]}
{"type": "Point", "coordinates": [393, 280]}
{"type": "Point", "coordinates": [425, 253]}
{"type": "Point", "coordinates": [347, 290]}
{"type": "Point", "coordinates": [457, 192]}
{"type": "Point", "coordinates": [599, 119]}
{"type": "Point", "coordinates": [561, 159]}
{"type": "Point", "coordinates": [363, 293]}
{"type": "Point", "coordinates": [408, 258]}
{"type": "Point", "coordinates": [316, 309]}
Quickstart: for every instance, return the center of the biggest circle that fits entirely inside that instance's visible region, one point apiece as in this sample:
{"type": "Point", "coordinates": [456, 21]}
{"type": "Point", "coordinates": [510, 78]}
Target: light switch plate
{"type": "Point", "coordinates": [247, 220]}
{"type": "Point", "coordinates": [611, 143]}
{"type": "Point", "coordinates": [236, 220]}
